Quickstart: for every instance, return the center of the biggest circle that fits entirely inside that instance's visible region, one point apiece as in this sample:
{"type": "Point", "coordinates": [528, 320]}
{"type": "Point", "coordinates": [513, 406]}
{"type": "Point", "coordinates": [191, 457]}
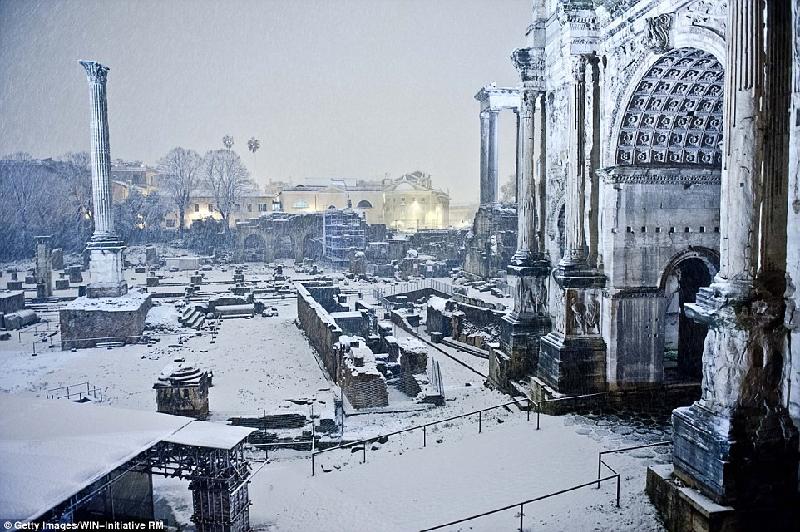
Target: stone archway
{"type": "Point", "coordinates": [681, 280]}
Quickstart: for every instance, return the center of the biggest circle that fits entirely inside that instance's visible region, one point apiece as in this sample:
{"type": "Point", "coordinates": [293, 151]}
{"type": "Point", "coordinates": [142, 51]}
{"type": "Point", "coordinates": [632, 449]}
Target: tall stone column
{"type": "Point", "coordinates": [484, 185]}
{"type": "Point", "coordinates": [737, 444]}
{"type": "Point", "coordinates": [105, 247]}
{"type": "Point", "coordinates": [575, 253]}
{"type": "Point", "coordinates": [572, 358]}
{"type": "Point", "coordinates": [525, 192]}
{"type": "Point", "coordinates": [492, 161]}
{"type": "Point", "coordinates": [528, 271]}
{"type": "Point", "coordinates": [540, 170]}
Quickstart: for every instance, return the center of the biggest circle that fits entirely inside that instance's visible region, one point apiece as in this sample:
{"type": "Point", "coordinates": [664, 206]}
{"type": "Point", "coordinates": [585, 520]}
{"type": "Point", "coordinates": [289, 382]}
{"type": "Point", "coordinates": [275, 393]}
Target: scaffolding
{"type": "Point", "coordinates": [218, 479]}
{"type": "Point", "coordinates": [343, 233]}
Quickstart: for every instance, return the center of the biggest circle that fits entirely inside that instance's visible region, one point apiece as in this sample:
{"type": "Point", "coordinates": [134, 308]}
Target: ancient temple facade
{"type": "Point", "coordinates": [657, 246]}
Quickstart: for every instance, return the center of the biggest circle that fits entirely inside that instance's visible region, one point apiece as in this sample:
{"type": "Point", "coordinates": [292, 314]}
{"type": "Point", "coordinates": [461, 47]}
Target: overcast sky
{"type": "Point", "coordinates": [339, 88]}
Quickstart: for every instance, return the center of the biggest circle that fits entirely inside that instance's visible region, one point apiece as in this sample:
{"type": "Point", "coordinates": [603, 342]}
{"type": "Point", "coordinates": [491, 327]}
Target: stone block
{"type": "Point", "coordinates": [75, 275]}
{"type": "Point", "coordinates": [141, 269]}
{"type": "Point", "coordinates": [30, 279]}
{"type": "Point", "coordinates": [152, 281]}
{"type": "Point", "coordinates": [14, 285]}
{"type": "Point", "coordinates": [62, 284]}
{"type": "Point", "coordinates": [11, 301]}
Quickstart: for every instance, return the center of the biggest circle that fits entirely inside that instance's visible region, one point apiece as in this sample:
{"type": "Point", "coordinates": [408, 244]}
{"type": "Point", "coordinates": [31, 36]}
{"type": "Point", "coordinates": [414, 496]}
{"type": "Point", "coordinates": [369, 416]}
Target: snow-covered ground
{"type": "Point", "coordinates": [261, 364]}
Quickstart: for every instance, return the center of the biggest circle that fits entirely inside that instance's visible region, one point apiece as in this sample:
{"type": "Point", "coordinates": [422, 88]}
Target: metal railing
{"type": "Point", "coordinates": [601, 463]}
{"type": "Point", "coordinates": [521, 505]}
{"type": "Point", "coordinates": [68, 392]}
{"type": "Point", "coordinates": [424, 429]}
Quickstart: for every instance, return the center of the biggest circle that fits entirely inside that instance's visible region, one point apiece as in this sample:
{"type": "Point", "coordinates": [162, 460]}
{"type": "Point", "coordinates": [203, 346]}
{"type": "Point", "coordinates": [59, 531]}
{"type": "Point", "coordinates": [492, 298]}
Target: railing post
{"type": "Point", "coordinates": [313, 468]}
{"type": "Point", "coordinates": [529, 408]}
{"type": "Point", "coordinates": [480, 422]}
{"type": "Point", "coordinates": [364, 448]}
{"type": "Point", "coordinates": [521, 515]}
{"type": "Point", "coordinates": [598, 469]}
{"type": "Point", "coordinates": [538, 412]}
{"type": "Point", "coordinates": [424, 435]}
{"type": "Point", "coordinates": [618, 486]}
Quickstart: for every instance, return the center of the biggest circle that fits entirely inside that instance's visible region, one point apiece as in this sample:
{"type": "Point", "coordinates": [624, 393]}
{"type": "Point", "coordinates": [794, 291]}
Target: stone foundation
{"type": "Point", "coordinates": [573, 365]}
{"type": "Point", "coordinates": [87, 321]}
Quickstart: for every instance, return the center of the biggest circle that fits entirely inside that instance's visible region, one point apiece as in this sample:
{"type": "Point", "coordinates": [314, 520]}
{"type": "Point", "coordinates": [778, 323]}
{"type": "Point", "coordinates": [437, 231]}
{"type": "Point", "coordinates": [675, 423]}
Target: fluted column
{"type": "Point", "coordinates": [105, 248]}
{"type": "Point", "coordinates": [484, 185]}
{"type": "Point", "coordinates": [576, 178]}
{"type": "Point", "coordinates": [100, 153]}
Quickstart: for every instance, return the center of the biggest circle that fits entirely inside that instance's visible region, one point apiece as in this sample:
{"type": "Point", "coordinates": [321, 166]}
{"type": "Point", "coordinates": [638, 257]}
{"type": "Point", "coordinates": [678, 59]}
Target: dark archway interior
{"type": "Point", "coordinates": [254, 248]}
{"type": "Point", "coordinates": [684, 360]}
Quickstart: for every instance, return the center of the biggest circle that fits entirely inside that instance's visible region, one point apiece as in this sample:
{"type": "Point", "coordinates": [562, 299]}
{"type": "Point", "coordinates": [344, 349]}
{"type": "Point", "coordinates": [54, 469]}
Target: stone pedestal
{"type": "Point", "coordinates": [521, 329]}
{"type": "Point", "coordinates": [106, 268]}
{"type": "Point", "coordinates": [86, 321]}
{"type": "Point", "coordinates": [572, 359]}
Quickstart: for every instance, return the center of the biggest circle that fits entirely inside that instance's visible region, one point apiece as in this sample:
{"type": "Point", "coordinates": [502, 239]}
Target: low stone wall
{"type": "Point", "coordinates": [87, 321]}
{"type": "Point", "coordinates": [359, 379]}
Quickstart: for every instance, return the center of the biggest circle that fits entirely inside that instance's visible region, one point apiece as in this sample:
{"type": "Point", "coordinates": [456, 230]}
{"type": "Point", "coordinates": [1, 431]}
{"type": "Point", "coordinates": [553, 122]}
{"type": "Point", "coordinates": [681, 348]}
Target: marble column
{"type": "Point", "coordinates": [525, 191]}
{"type": "Point", "coordinates": [737, 444]}
{"type": "Point", "coordinates": [529, 270]}
{"type": "Point", "coordinates": [572, 358]}
{"type": "Point", "coordinates": [492, 160]}
{"type": "Point", "coordinates": [575, 253]}
{"type": "Point", "coordinates": [105, 247]}
{"type": "Point", "coordinates": [484, 157]}
{"type": "Point", "coordinates": [540, 171]}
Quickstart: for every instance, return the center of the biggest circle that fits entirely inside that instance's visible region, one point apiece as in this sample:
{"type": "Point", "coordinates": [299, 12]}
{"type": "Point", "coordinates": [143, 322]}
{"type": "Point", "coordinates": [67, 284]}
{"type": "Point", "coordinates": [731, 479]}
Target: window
{"type": "Point", "coordinates": [300, 204]}
{"type": "Point", "coordinates": [170, 223]}
{"type": "Point", "coordinates": [262, 207]}
{"type": "Point", "coordinates": [249, 207]}
{"type": "Point", "coordinates": [196, 207]}
{"type": "Point", "coordinates": [364, 204]}
{"type": "Point", "coordinates": [210, 207]}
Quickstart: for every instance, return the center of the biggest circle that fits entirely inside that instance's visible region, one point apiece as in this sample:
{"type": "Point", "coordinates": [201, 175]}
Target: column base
{"type": "Point", "coordinates": [573, 365]}
{"type": "Point", "coordinates": [748, 458]}
{"type": "Point", "coordinates": [105, 266]}
{"type": "Point", "coordinates": [517, 356]}
{"type": "Point", "coordinates": [684, 509]}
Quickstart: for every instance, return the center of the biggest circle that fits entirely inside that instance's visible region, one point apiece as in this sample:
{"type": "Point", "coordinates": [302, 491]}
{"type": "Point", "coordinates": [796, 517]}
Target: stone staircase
{"type": "Point", "coordinates": [193, 316]}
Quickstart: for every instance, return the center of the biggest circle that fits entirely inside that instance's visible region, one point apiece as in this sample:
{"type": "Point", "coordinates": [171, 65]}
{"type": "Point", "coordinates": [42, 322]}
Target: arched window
{"type": "Point", "coordinates": [364, 204]}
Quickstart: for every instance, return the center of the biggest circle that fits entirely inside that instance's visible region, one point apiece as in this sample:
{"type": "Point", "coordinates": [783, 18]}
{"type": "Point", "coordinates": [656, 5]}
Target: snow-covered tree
{"type": "Point", "coordinates": [227, 179]}
{"type": "Point", "coordinates": [181, 172]}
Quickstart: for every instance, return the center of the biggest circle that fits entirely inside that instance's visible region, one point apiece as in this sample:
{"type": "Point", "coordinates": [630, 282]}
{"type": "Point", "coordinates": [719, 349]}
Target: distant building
{"type": "Point", "coordinates": [407, 203]}
{"type": "Point", "coordinates": [127, 177]}
{"type": "Point", "coordinates": [201, 206]}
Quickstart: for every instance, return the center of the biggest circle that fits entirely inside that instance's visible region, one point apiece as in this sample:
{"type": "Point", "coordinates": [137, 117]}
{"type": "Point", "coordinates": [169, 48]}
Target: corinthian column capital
{"type": "Point", "coordinates": [95, 72]}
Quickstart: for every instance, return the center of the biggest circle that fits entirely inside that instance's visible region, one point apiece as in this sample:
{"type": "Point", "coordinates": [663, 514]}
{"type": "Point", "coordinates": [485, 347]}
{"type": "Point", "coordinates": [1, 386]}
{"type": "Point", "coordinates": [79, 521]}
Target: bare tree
{"type": "Point", "coordinates": [180, 175]}
{"type": "Point", "coordinates": [227, 179]}
{"type": "Point", "coordinates": [508, 191]}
